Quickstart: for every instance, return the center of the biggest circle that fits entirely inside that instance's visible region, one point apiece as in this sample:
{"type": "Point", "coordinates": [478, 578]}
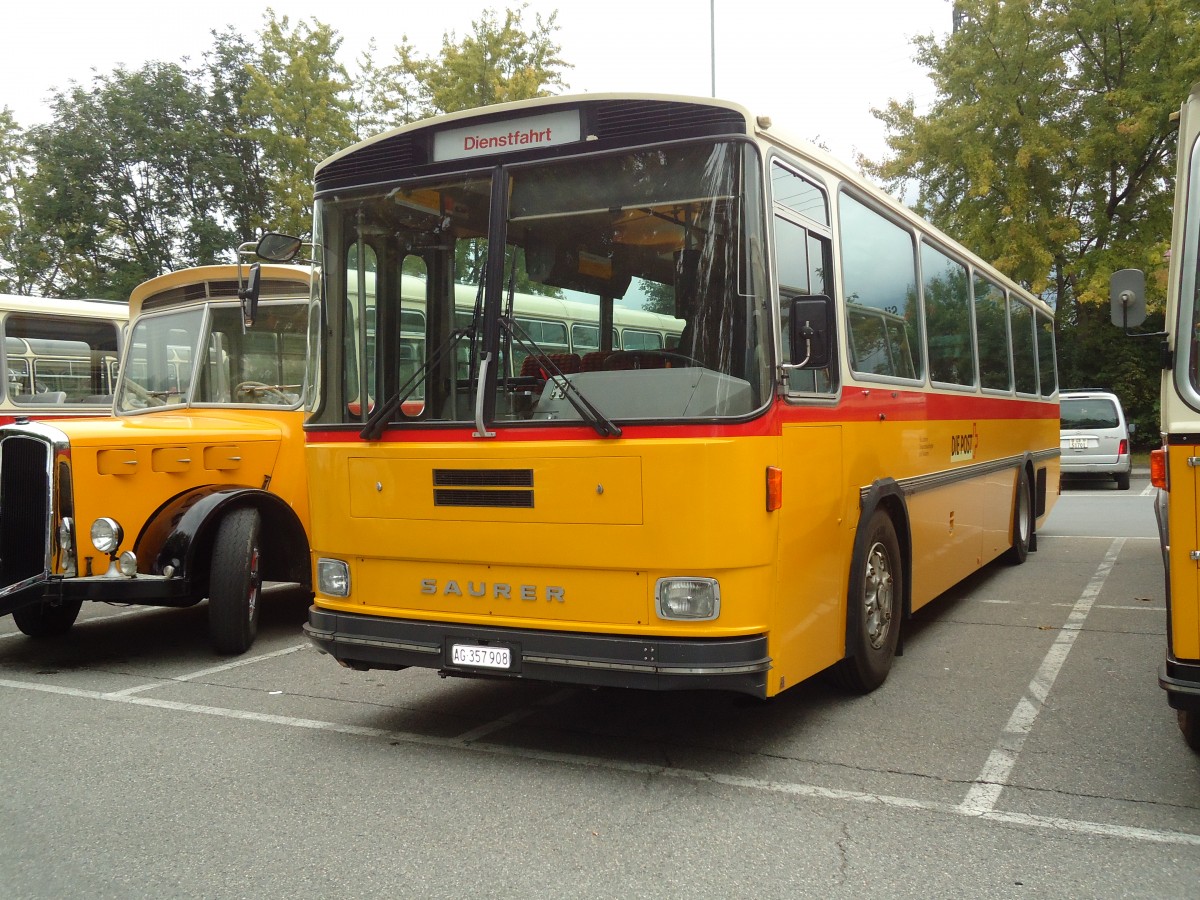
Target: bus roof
{"type": "Point", "coordinates": [60, 306]}
{"type": "Point", "coordinates": [219, 282]}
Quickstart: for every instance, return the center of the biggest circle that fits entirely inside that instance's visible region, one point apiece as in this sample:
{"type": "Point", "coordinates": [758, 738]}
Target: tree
{"type": "Point", "coordinates": [25, 265]}
{"type": "Point", "coordinates": [123, 189]}
{"type": "Point", "coordinates": [494, 63]}
{"type": "Point", "coordinates": [1049, 150]}
{"type": "Point", "coordinates": [299, 100]}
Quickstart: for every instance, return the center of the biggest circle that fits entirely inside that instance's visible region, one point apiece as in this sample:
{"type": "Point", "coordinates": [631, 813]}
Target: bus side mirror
{"type": "Point", "coordinates": [1127, 297]}
{"type": "Point", "coordinates": [249, 295]}
{"type": "Point", "coordinates": [276, 247]}
{"type": "Point", "coordinates": [810, 334]}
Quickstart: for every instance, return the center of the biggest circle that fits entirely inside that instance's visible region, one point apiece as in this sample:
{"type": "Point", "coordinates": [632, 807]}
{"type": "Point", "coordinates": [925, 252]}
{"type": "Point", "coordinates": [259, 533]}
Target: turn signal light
{"type": "Point", "coordinates": [1158, 468]}
{"type": "Point", "coordinates": [774, 488]}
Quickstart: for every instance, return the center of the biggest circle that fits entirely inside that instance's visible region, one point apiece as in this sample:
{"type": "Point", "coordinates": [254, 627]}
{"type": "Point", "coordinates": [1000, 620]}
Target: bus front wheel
{"type": "Point", "coordinates": [1189, 724]}
{"type": "Point", "coordinates": [235, 582]}
{"type": "Point", "coordinates": [874, 606]}
{"type": "Point", "coordinates": [44, 620]}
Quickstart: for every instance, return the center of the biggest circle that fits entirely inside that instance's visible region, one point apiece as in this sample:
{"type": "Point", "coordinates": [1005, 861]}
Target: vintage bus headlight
{"type": "Point", "coordinates": [694, 599]}
{"type": "Point", "coordinates": [106, 535]}
{"type": "Point", "coordinates": [127, 564]}
{"type": "Point", "coordinates": [333, 577]}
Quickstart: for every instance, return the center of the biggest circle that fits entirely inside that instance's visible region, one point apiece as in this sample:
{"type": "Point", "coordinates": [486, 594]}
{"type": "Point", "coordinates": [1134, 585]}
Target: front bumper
{"type": "Point", "coordinates": [652, 663]}
{"type": "Point", "coordinates": [1181, 681]}
{"type": "Point", "coordinates": [144, 590]}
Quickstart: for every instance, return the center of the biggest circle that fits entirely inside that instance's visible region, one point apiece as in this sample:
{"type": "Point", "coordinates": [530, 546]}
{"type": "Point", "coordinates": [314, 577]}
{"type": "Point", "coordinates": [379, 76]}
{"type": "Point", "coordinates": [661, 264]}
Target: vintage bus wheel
{"type": "Point", "coordinates": [235, 582]}
{"type": "Point", "coordinates": [874, 607]}
{"type": "Point", "coordinates": [1022, 526]}
{"type": "Point", "coordinates": [1189, 724]}
{"type": "Point", "coordinates": [42, 620]}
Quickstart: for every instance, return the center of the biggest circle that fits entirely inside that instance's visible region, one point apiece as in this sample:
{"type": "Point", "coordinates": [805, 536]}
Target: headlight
{"type": "Point", "coordinates": [694, 599]}
{"type": "Point", "coordinates": [106, 535]}
{"type": "Point", "coordinates": [333, 577]}
{"type": "Point", "coordinates": [66, 545]}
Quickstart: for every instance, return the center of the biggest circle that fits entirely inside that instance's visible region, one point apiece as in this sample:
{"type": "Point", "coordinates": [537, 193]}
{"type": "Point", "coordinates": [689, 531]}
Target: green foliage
{"type": "Point", "coordinates": [495, 63]}
{"type": "Point", "coordinates": [1049, 150]}
{"type": "Point", "coordinates": [299, 104]}
{"type": "Point", "coordinates": [140, 172]}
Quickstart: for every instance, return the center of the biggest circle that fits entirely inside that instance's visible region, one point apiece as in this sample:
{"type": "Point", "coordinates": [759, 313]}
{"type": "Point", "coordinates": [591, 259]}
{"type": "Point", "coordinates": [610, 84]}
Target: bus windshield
{"type": "Point", "coordinates": [263, 364]}
{"type": "Point", "coordinates": [623, 286]}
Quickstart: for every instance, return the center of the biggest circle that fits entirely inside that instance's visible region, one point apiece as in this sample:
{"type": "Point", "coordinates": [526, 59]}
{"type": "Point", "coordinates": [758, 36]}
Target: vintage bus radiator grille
{"type": "Point", "coordinates": [24, 493]}
{"type": "Point", "coordinates": [483, 487]}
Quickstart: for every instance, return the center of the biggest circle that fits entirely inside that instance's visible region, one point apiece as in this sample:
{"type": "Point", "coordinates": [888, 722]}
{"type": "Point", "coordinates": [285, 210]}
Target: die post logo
{"type": "Point", "coordinates": [964, 446]}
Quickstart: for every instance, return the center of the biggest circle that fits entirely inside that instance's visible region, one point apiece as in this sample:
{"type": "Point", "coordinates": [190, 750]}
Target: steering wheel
{"type": "Point", "coordinates": [617, 359]}
{"type": "Point", "coordinates": [259, 389]}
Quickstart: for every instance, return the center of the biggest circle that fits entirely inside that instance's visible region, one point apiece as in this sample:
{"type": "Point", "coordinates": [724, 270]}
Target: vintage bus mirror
{"type": "Point", "coordinates": [249, 295]}
{"type": "Point", "coordinates": [1127, 296]}
{"type": "Point", "coordinates": [810, 334]}
{"type": "Point", "coordinates": [276, 247]}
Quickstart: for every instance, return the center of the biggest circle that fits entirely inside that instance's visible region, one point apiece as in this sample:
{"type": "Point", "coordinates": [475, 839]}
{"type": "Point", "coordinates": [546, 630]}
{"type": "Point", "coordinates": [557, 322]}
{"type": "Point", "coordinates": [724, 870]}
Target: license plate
{"type": "Point", "coordinates": [480, 657]}
{"type": "Point", "coordinates": [1079, 443]}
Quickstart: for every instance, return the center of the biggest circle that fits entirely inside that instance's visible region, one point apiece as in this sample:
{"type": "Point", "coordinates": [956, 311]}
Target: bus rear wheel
{"type": "Point", "coordinates": [235, 582]}
{"type": "Point", "coordinates": [874, 606]}
{"type": "Point", "coordinates": [1022, 521]}
{"type": "Point", "coordinates": [46, 620]}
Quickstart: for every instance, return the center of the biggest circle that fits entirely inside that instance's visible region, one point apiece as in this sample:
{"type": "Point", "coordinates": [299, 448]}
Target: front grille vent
{"type": "Point", "coordinates": [24, 501]}
{"type": "Point", "coordinates": [631, 118]}
{"type": "Point", "coordinates": [490, 488]}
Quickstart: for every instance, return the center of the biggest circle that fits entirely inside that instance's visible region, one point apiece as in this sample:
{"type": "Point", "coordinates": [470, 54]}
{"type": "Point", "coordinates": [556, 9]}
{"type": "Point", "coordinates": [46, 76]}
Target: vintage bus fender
{"type": "Point", "coordinates": [181, 533]}
{"type": "Point", "coordinates": [888, 493]}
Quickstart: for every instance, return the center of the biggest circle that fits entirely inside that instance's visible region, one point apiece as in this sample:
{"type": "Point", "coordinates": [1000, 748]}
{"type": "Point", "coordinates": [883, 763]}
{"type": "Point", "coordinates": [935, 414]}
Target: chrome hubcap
{"type": "Point", "coordinates": [877, 595]}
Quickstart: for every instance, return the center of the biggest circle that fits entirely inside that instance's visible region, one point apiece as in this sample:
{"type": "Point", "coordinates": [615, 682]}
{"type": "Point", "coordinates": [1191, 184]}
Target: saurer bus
{"type": "Point", "coordinates": [852, 414]}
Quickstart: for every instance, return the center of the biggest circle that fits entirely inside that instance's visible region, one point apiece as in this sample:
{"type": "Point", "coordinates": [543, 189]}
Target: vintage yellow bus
{"type": "Point", "coordinates": [851, 413]}
{"type": "Point", "coordinates": [1173, 467]}
{"type": "Point", "coordinates": [60, 357]}
{"type": "Point", "coordinates": [195, 488]}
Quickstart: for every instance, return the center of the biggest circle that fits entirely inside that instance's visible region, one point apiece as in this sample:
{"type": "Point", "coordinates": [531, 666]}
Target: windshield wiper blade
{"type": "Point", "coordinates": [377, 421]}
{"type": "Point", "coordinates": [604, 426]}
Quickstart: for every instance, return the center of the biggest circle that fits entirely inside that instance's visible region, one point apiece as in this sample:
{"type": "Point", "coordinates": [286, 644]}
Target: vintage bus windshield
{"type": "Point", "coordinates": [662, 312]}
{"type": "Point", "coordinates": [261, 365]}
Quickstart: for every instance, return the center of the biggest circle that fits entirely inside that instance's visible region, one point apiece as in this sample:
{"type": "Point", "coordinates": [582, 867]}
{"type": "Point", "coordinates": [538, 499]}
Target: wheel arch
{"type": "Point", "coordinates": [181, 535]}
{"type": "Point", "coordinates": [888, 495]}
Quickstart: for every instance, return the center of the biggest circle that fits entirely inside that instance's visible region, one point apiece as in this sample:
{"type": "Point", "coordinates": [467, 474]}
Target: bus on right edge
{"type": "Point", "coordinates": [1173, 467]}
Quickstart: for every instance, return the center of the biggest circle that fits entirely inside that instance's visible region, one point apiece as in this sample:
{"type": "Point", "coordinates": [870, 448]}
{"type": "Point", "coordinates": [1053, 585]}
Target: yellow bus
{"type": "Point", "coordinates": [59, 357]}
{"type": "Point", "coordinates": [852, 412]}
{"type": "Point", "coordinates": [195, 487]}
{"type": "Point", "coordinates": [1173, 466]}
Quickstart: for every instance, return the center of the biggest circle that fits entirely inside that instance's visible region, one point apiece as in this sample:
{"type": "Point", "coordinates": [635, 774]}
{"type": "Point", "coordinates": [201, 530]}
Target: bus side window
{"type": "Point", "coordinates": [802, 263]}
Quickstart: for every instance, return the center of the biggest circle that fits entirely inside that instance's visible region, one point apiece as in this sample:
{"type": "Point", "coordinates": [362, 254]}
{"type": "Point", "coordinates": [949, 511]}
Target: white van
{"type": "Point", "coordinates": [1094, 436]}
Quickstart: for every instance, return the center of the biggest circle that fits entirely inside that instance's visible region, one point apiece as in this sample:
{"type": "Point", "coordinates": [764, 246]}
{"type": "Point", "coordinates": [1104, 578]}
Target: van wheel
{"type": "Point", "coordinates": [874, 605]}
{"type": "Point", "coordinates": [1022, 522]}
{"type": "Point", "coordinates": [235, 582]}
{"type": "Point", "coordinates": [1122, 481]}
{"type": "Point", "coordinates": [46, 620]}
{"type": "Point", "coordinates": [1189, 724]}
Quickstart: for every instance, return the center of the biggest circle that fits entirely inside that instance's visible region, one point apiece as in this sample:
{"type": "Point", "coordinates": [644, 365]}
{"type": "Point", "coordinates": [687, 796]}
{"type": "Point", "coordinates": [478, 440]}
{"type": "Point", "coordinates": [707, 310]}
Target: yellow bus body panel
{"type": "Point", "coordinates": [127, 467]}
{"type": "Point", "coordinates": [1184, 511]}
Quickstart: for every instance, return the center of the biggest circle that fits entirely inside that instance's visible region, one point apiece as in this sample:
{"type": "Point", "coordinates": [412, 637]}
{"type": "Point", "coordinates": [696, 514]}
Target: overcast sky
{"type": "Point", "coordinates": [817, 67]}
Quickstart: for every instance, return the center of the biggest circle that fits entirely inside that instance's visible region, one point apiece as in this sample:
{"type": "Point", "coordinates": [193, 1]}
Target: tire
{"type": "Point", "coordinates": [1122, 481]}
{"type": "Point", "coordinates": [1189, 724]}
{"type": "Point", "coordinates": [1022, 521]}
{"type": "Point", "coordinates": [874, 605]}
{"type": "Point", "coordinates": [235, 582]}
{"type": "Point", "coordinates": [46, 620]}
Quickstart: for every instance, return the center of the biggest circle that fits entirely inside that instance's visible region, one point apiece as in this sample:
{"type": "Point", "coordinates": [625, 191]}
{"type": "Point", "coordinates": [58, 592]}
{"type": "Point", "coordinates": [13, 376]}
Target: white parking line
{"type": "Point", "coordinates": [795, 789]}
{"type": "Point", "coordinates": [117, 615]}
{"type": "Point", "coordinates": [986, 790]}
{"type": "Point", "coordinates": [200, 673]}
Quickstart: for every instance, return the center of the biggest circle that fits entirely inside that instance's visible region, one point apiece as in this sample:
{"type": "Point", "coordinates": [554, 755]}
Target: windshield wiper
{"type": "Point", "coordinates": [378, 420]}
{"type": "Point", "coordinates": [604, 426]}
